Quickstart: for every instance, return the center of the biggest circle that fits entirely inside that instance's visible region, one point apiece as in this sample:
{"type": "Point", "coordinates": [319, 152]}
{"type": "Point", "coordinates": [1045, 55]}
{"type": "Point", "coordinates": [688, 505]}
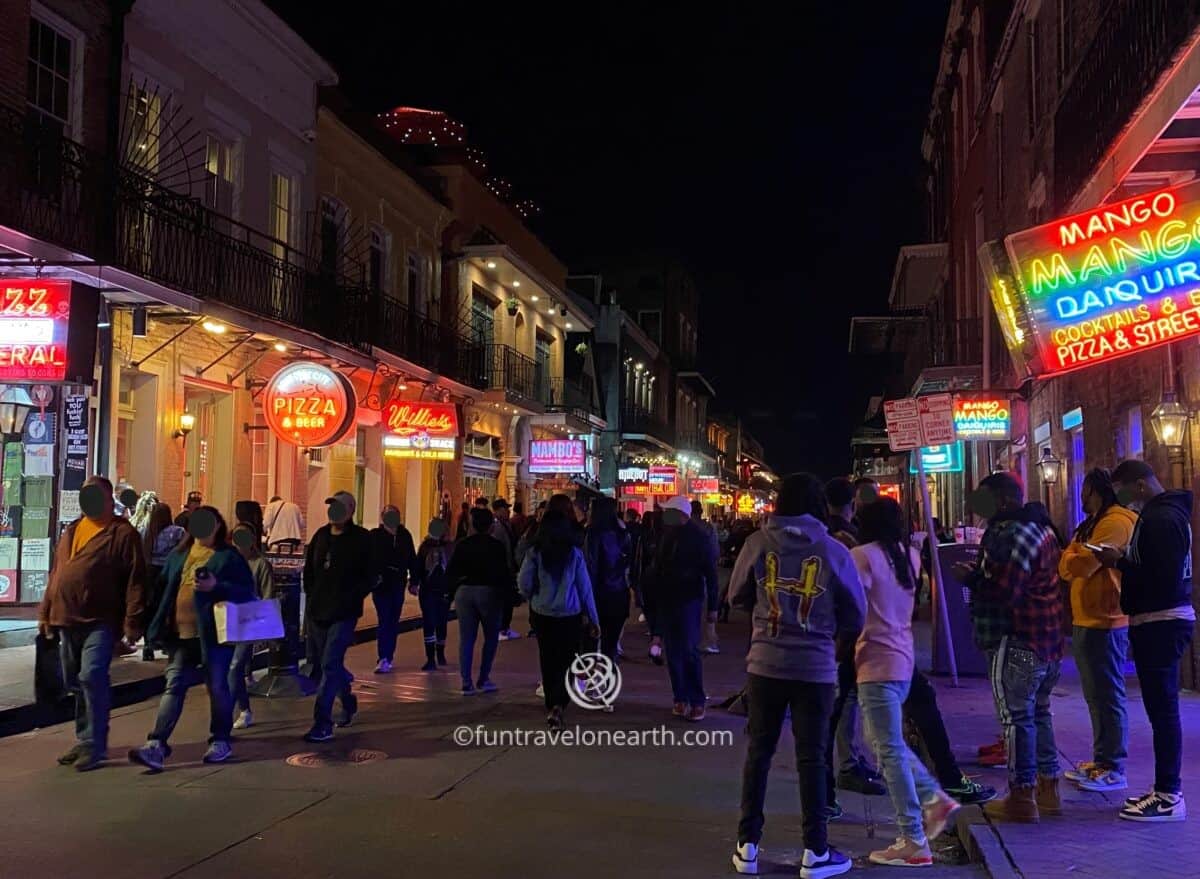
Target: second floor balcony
{"type": "Point", "coordinates": [639, 421]}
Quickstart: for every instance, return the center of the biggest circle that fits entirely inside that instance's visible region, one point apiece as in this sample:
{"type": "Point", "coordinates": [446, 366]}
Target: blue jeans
{"type": "Point", "coordinates": [909, 783]}
{"type": "Point", "coordinates": [86, 653]}
{"type": "Point", "coordinates": [1100, 657]}
{"type": "Point", "coordinates": [243, 654]}
{"type": "Point", "coordinates": [331, 641]}
{"type": "Point", "coordinates": [679, 624]}
{"type": "Point", "coordinates": [389, 602]}
{"type": "Point", "coordinates": [1021, 684]}
{"type": "Point", "coordinates": [183, 670]}
{"type": "Point", "coordinates": [478, 606]}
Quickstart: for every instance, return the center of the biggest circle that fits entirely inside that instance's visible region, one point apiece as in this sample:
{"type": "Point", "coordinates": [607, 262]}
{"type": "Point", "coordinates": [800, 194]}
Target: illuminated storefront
{"type": "Point", "coordinates": [47, 358]}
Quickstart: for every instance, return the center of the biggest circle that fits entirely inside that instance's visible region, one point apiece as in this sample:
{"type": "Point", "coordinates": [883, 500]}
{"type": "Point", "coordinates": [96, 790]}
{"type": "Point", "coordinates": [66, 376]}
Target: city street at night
{"type": "Point", "coordinates": [470, 442]}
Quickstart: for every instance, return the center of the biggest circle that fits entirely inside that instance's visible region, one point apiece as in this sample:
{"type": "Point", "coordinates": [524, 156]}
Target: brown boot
{"type": "Point", "coordinates": [1049, 802]}
{"type": "Point", "coordinates": [1018, 806]}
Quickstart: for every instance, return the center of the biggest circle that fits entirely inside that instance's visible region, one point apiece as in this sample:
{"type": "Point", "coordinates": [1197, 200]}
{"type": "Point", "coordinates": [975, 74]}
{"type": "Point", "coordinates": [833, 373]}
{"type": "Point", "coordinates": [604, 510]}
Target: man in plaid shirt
{"type": "Point", "coordinates": [1018, 615]}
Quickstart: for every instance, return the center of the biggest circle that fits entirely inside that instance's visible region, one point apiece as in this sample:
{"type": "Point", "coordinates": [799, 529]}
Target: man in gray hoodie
{"type": "Point", "coordinates": [803, 591]}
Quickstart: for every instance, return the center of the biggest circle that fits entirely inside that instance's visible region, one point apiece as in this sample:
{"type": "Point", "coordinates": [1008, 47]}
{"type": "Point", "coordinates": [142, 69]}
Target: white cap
{"type": "Point", "coordinates": [680, 504]}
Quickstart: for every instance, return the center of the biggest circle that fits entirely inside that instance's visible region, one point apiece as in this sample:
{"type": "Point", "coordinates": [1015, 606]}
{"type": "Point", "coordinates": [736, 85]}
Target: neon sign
{"type": "Point", "coordinates": [663, 481]}
{"type": "Point", "coordinates": [427, 431]}
{"type": "Point", "coordinates": [706, 485]}
{"type": "Point", "coordinates": [745, 505]}
{"type": "Point", "coordinates": [34, 319]}
{"type": "Point", "coordinates": [557, 456]}
{"type": "Point", "coordinates": [1100, 285]}
{"type": "Point", "coordinates": [939, 459]}
{"type": "Point", "coordinates": [309, 405]}
{"type": "Point", "coordinates": [982, 418]}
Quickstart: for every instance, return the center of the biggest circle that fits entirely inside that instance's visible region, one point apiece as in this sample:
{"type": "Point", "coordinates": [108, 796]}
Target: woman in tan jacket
{"type": "Point", "coordinates": [1100, 636]}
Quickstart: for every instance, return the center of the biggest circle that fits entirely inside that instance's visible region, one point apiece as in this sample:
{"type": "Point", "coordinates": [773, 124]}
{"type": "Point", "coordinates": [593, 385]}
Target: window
{"type": "Point", "coordinates": [415, 278]}
{"type": "Point", "coordinates": [377, 259]}
{"type": "Point", "coordinates": [483, 318]}
{"type": "Point", "coordinates": [541, 353]}
{"type": "Point", "coordinates": [1136, 447]}
{"type": "Point", "coordinates": [143, 111]}
{"type": "Point", "coordinates": [331, 237]}
{"type": "Point", "coordinates": [998, 173]}
{"type": "Point", "coordinates": [49, 74]}
{"type": "Point", "coordinates": [218, 185]}
{"type": "Point", "coordinates": [281, 214]}
{"type": "Point", "coordinates": [1031, 91]}
{"type": "Point", "coordinates": [651, 324]}
{"type": "Point", "coordinates": [1064, 41]}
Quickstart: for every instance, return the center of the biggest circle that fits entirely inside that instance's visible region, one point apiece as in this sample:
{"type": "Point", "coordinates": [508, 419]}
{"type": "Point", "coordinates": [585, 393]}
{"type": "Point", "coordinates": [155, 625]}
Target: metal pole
{"type": "Point", "coordinates": [936, 585]}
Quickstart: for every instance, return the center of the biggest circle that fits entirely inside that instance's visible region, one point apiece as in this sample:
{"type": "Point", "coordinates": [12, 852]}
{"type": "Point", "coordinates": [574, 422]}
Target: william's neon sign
{"type": "Point", "coordinates": [1109, 282]}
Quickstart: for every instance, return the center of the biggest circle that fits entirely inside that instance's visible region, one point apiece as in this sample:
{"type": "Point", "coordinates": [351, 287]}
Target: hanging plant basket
{"type": "Point", "coordinates": [512, 304]}
{"type": "Point", "coordinates": [581, 349]}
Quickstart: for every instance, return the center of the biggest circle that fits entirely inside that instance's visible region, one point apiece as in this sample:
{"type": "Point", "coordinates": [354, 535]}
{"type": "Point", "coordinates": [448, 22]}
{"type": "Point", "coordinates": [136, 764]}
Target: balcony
{"type": "Point", "coordinates": [956, 342]}
{"type": "Point", "coordinates": [571, 395]}
{"type": "Point", "coordinates": [53, 189]}
{"type": "Point", "coordinates": [688, 441]}
{"type": "Point", "coordinates": [502, 368]}
{"type": "Point", "coordinates": [636, 420]}
{"type": "Point", "coordinates": [1135, 44]}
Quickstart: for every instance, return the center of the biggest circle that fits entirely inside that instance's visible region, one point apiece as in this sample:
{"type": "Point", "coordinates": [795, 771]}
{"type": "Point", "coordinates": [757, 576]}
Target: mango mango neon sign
{"type": "Point", "coordinates": [1100, 285]}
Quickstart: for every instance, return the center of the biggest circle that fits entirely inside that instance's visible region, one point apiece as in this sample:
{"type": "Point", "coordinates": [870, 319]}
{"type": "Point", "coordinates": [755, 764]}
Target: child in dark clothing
{"type": "Point", "coordinates": [433, 590]}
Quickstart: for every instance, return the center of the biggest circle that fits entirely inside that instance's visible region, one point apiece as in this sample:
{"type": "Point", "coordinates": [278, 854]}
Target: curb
{"type": "Point", "coordinates": [26, 718]}
{"type": "Point", "coordinates": [983, 844]}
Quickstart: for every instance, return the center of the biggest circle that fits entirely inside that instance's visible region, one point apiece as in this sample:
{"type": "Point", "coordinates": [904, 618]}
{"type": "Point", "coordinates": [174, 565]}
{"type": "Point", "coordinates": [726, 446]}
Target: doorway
{"type": "Point", "coordinates": [209, 459]}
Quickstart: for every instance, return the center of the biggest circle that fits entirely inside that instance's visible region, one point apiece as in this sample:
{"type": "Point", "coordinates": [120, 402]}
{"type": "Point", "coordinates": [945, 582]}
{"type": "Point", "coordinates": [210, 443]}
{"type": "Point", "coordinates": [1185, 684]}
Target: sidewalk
{"type": "Point", "coordinates": [426, 806]}
{"type": "Point", "coordinates": [1089, 839]}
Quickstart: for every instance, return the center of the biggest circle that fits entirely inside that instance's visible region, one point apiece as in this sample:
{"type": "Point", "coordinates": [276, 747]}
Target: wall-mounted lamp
{"type": "Point", "coordinates": [187, 423]}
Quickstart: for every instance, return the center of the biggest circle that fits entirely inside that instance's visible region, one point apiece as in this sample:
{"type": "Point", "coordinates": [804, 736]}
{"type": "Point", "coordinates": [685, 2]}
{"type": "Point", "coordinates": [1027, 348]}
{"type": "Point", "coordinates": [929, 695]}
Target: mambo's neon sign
{"type": "Point", "coordinates": [1099, 285]}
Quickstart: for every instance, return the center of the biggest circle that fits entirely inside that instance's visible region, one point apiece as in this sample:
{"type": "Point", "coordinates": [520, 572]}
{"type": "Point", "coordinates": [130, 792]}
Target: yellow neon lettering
{"type": "Point", "coordinates": [1094, 262]}
{"type": "Point", "coordinates": [1042, 276]}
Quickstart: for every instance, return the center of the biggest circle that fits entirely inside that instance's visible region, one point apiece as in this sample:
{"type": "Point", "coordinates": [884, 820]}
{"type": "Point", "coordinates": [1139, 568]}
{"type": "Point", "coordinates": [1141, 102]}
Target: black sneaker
{"type": "Point", "coordinates": [971, 793]}
{"type": "Point", "coordinates": [1156, 808]}
{"type": "Point", "coordinates": [349, 709]}
{"type": "Point", "coordinates": [830, 863]}
{"type": "Point", "coordinates": [319, 733]}
{"type": "Point", "coordinates": [860, 781]}
{"type": "Point", "coordinates": [833, 811]}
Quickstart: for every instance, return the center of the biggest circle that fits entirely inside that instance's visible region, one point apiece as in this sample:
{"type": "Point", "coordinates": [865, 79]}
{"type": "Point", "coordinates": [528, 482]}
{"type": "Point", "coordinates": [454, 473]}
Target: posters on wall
{"type": "Point", "coordinates": [75, 434]}
{"type": "Point", "coordinates": [8, 586]}
{"type": "Point", "coordinates": [35, 554]}
{"type": "Point", "coordinates": [39, 460]}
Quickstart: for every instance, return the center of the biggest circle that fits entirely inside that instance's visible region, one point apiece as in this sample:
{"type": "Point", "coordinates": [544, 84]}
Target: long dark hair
{"type": "Point", "coordinates": [604, 515]}
{"type": "Point", "coordinates": [554, 542]}
{"type": "Point", "coordinates": [882, 521]}
{"type": "Point", "coordinates": [220, 536]}
{"type": "Point", "coordinates": [160, 519]}
{"type": "Point", "coordinates": [1100, 481]}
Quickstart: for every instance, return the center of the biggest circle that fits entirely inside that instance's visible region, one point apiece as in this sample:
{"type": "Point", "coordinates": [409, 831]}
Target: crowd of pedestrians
{"type": "Point", "coordinates": [831, 580]}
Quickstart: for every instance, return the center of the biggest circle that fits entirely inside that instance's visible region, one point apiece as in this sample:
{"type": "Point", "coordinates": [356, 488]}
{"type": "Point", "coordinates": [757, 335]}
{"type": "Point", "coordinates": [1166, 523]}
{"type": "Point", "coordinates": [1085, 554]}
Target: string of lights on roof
{"type": "Point", "coordinates": [413, 126]}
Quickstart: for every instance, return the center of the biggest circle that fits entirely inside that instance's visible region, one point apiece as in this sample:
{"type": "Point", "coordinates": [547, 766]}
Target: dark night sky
{"type": "Point", "coordinates": [779, 156]}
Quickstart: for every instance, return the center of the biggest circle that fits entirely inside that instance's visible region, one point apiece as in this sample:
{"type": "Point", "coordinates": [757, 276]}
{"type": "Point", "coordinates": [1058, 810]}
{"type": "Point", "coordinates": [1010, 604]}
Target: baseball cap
{"type": "Point", "coordinates": [680, 504]}
{"type": "Point", "coordinates": [343, 496]}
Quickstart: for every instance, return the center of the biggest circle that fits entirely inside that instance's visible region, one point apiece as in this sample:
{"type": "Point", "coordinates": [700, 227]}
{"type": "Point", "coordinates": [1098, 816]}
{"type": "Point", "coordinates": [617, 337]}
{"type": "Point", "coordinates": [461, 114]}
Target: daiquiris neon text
{"type": "Point", "coordinates": [1115, 280]}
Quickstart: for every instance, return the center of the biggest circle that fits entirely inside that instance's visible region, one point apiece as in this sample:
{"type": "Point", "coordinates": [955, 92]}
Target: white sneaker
{"type": "Point", "coordinates": [384, 667]}
{"type": "Point", "coordinates": [540, 692]}
{"type": "Point", "coordinates": [218, 752]}
{"type": "Point", "coordinates": [641, 618]}
{"type": "Point", "coordinates": [712, 648]}
{"type": "Point", "coordinates": [245, 720]}
{"type": "Point", "coordinates": [745, 858]}
{"type": "Point", "coordinates": [1156, 808]}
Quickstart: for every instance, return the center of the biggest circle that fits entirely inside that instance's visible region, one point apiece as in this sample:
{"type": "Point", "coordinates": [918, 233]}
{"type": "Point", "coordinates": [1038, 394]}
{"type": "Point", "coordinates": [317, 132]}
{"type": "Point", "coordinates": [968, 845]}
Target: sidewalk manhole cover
{"type": "Point", "coordinates": [312, 760]}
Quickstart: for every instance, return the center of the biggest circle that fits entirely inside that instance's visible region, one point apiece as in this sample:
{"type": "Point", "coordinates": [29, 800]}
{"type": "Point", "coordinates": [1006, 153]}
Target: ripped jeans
{"type": "Point", "coordinates": [1021, 684]}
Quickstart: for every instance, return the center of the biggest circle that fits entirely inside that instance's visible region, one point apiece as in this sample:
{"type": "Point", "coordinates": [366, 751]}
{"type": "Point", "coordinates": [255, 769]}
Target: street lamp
{"type": "Point", "coordinates": [1050, 467]}
{"type": "Point", "coordinates": [1169, 420]}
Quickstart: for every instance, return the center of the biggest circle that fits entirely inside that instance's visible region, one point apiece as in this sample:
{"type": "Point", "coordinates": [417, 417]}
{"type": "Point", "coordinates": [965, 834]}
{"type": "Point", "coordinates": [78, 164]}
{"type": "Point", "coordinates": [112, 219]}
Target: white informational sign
{"type": "Point", "coordinates": [35, 554]}
{"type": "Point", "coordinates": [9, 548]}
{"type": "Point", "coordinates": [903, 424]}
{"type": "Point", "coordinates": [937, 419]}
{"type": "Point", "coordinates": [68, 506]}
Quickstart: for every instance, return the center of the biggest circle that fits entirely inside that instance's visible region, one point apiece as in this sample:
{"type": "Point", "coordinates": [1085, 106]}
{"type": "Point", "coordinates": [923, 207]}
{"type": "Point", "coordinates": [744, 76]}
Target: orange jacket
{"type": "Point", "coordinates": [1096, 591]}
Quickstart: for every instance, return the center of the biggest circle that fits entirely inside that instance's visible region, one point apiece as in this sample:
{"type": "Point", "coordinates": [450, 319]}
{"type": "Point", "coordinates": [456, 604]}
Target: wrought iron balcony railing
{"type": "Point", "coordinates": [1135, 43]}
{"type": "Point", "coordinates": [635, 419]}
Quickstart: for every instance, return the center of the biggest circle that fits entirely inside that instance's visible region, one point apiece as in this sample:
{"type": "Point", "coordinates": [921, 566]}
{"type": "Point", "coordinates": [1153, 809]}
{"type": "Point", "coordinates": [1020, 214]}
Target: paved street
{"type": "Point", "coordinates": [429, 807]}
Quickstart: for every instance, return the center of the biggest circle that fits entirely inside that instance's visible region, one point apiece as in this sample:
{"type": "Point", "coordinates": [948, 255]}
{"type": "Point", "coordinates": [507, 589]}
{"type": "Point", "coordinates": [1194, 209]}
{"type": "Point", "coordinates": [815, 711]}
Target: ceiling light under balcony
{"type": "Point", "coordinates": [491, 263]}
{"type": "Point", "coordinates": [516, 283]}
{"type": "Point", "coordinates": [280, 347]}
{"type": "Point", "coordinates": [214, 327]}
{"type": "Point", "coordinates": [569, 325]}
{"type": "Point", "coordinates": [534, 297]}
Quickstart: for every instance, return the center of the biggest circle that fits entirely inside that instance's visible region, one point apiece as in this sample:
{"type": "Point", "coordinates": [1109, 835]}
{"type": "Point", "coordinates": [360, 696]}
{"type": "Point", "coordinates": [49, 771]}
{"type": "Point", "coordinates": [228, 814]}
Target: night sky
{"type": "Point", "coordinates": [782, 163]}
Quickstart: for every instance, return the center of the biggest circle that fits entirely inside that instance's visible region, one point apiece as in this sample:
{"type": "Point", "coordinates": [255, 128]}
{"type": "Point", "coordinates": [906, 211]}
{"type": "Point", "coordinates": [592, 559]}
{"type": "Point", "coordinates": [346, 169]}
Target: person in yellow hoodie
{"type": "Point", "coordinates": [1100, 637]}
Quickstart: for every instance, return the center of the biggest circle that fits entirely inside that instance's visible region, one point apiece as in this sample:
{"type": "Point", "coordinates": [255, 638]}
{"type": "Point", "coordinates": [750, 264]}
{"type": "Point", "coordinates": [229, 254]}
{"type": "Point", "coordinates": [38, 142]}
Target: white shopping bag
{"type": "Point", "coordinates": [250, 621]}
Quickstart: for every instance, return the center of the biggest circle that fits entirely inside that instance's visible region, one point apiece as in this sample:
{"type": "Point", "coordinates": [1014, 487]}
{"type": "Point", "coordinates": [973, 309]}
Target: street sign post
{"type": "Point", "coordinates": [914, 423]}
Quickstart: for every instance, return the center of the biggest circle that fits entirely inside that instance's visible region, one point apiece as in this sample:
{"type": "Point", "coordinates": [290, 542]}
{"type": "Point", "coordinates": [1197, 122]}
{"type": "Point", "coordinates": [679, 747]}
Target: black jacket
{"type": "Point", "coordinates": [685, 566]}
{"type": "Point", "coordinates": [393, 558]}
{"type": "Point", "coordinates": [1156, 572]}
{"type": "Point", "coordinates": [608, 554]}
{"type": "Point", "coordinates": [337, 573]}
{"type": "Point", "coordinates": [481, 560]}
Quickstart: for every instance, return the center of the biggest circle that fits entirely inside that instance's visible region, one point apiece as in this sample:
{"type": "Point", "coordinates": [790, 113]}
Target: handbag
{"type": "Point", "coordinates": [249, 621]}
{"type": "Point", "coordinates": [48, 685]}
